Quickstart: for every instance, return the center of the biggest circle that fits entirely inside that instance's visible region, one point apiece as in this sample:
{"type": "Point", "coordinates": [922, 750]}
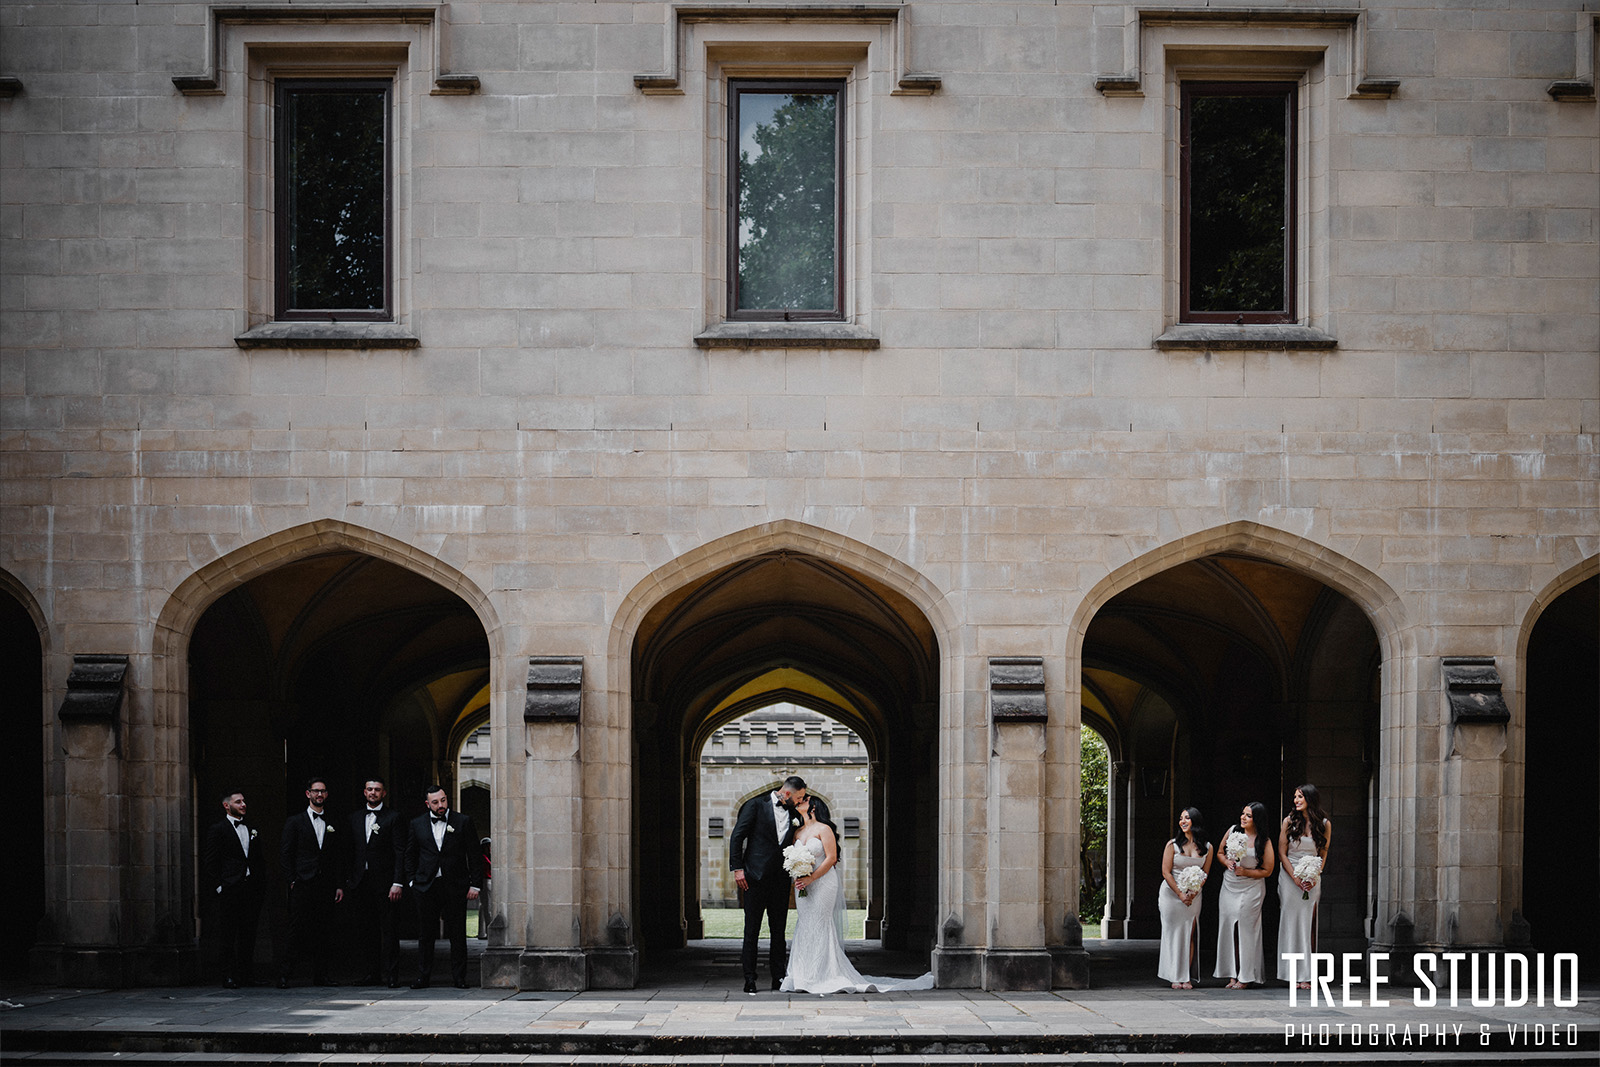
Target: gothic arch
{"type": "Point", "coordinates": [1368, 593]}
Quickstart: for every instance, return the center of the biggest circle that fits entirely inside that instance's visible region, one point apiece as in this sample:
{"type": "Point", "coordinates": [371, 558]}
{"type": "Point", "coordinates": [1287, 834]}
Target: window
{"type": "Point", "coordinates": [714, 826]}
{"type": "Point", "coordinates": [332, 217]}
{"type": "Point", "coordinates": [852, 826]}
{"type": "Point", "coordinates": [1237, 186]}
{"type": "Point", "coordinates": [786, 200]}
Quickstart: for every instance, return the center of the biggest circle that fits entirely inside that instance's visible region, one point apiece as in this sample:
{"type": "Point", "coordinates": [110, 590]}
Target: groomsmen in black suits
{"type": "Point", "coordinates": [444, 866]}
{"type": "Point", "coordinates": [766, 826]}
{"type": "Point", "coordinates": [310, 859]}
{"type": "Point", "coordinates": [375, 871]}
{"type": "Point", "coordinates": [234, 887]}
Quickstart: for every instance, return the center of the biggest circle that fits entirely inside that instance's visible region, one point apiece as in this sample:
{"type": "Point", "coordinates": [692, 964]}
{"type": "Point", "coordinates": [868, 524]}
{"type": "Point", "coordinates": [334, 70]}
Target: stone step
{"type": "Point", "coordinates": [257, 1046]}
{"type": "Point", "coordinates": [1529, 1058]}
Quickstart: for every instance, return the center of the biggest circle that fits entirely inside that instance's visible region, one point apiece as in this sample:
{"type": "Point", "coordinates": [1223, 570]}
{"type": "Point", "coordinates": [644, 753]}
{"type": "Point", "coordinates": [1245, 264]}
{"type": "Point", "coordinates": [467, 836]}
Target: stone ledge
{"type": "Point", "coordinates": [328, 335]}
{"type": "Point", "coordinates": [786, 335]}
{"type": "Point", "coordinates": [1216, 336]}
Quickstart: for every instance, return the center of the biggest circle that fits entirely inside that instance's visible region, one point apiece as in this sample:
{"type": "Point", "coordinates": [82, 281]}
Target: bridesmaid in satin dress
{"type": "Point", "coordinates": [1305, 832]}
{"type": "Point", "coordinates": [1180, 911]}
{"type": "Point", "coordinates": [1244, 887]}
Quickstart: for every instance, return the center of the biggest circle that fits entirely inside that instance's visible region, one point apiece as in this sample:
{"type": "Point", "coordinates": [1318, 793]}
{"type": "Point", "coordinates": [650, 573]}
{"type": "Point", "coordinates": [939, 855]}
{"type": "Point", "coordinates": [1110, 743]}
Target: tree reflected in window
{"type": "Point", "coordinates": [333, 200]}
{"type": "Point", "coordinates": [787, 176]}
{"type": "Point", "coordinates": [1238, 149]}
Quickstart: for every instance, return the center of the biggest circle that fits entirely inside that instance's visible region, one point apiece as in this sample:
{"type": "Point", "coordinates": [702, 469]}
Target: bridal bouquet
{"type": "Point", "coordinates": [797, 863]}
{"type": "Point", "coordinates": [1236, 845]}
{"type": "Point", "coordinates": [1190, 879]}
{"type": "Point", "coordinates": [1308, 870]}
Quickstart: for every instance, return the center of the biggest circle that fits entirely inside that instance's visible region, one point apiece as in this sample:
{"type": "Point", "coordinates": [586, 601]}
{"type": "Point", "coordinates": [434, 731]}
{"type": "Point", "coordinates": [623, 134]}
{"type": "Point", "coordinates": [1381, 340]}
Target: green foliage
{"type": "Point", "coordinates": [788, 198]}
{"type": "Point", "coordinates": [1095, 765]}
{"type": "Point", "coordinates": [1237, 190]}
{"type": "Point", "coordinates": [336, 200]}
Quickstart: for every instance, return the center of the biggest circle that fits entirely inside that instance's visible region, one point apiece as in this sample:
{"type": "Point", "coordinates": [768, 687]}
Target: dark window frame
{"type": "Point", "coordinates": [835, 87]}
{"type": "Point", "coordinates": [1289, 92]}
{"type": "Point", "coordinates": [282, 209]}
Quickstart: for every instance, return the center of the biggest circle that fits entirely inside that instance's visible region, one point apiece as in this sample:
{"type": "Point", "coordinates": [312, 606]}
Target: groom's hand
{"type": "Point", "coordinates": [738, 880]}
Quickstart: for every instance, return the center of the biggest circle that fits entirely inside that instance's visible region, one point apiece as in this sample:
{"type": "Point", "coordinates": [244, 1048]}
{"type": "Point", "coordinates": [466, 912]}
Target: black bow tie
{"type": "Point", "coordinates": [437, 818]}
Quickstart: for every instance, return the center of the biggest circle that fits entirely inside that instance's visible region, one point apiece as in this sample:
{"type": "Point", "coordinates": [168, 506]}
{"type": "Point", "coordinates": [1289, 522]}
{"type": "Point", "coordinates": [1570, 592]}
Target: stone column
{"type": "Point", "coordinates": [879, 832]}
{"type": "Point", "coordinates": [1016, 957]}
{"type": "Point", "coordinates": [533, 933]}
{"type": "Point", "coordinates": [1119, 844]}
{"type": "Point", "coordinates": [1469, 818]}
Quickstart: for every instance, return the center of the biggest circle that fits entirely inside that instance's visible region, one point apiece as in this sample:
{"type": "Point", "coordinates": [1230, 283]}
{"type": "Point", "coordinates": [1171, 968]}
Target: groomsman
{"type": "Point", "coordinates": [310, 860]}
{"type": "Point", "coordinates": [445, 869]}
{"type": "Point", "coordinates": [234, 888]}
{"type": "Point", "coordinates": [375, 871]}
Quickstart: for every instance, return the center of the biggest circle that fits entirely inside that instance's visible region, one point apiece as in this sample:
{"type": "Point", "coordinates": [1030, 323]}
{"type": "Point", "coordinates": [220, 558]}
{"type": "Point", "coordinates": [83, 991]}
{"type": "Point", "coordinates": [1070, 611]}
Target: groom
{"type": "Point", "coordinates": [755, 854]}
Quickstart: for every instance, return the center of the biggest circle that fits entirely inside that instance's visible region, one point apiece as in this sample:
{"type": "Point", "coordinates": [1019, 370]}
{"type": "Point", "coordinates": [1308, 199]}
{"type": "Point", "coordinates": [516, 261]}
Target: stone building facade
{"type": "Point", "coordinates": [754, 752]}
{"type": "Point", "coordinates": [534, 429]}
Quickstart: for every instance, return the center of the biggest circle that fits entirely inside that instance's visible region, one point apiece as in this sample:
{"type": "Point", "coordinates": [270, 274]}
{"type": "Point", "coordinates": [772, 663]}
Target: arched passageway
{"type": "Point", "coordinates": [1562, 740]}
{"type": "Point", "coordinates": [785, 626]}
{"type": "Point", "coordinates": [1225, 680]}
{"type": "Point", "coordinates": [22, 764]}
{"type": "Point", "coordinates": [339, 665]}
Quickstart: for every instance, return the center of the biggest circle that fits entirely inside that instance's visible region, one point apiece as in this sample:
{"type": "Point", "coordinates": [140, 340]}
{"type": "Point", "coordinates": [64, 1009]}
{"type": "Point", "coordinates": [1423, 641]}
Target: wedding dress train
{"type": "Point", "coordinates": [817, 963]}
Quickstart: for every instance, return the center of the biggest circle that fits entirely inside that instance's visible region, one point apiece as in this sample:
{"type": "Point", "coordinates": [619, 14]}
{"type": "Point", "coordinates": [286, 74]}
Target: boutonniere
{"type": "Point", "coordinates": [327, 829]}
{"type": "Point", "coordinates": [252, 835]}
{"type": "Point", "coordinates": [794, 822]}
{"type": "Point", "coordinates": [449, 829]}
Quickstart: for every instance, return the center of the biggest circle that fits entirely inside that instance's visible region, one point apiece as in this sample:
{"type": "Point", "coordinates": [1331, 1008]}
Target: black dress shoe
{"type": "Point", "coordinates": [394, 983]}
{"type": "Point", "coordinates": [283, 983]}
{"type": "Point", "coordinates": [750, 986]}
{"type": "Point", "coordinates": [229, 983]}
{"type": "Point", "coordinates": [420, 983]}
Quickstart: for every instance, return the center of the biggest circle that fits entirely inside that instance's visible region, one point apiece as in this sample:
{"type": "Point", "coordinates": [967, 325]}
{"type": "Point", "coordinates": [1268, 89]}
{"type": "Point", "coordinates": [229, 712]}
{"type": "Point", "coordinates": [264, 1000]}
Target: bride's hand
{"type": "Point", "coordinates": [801, 883]}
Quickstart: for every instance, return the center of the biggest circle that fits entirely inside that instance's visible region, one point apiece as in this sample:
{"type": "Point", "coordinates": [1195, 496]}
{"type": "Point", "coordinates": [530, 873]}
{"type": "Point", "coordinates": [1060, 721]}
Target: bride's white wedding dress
{"type": "Point", "coordinates": [817, 963]}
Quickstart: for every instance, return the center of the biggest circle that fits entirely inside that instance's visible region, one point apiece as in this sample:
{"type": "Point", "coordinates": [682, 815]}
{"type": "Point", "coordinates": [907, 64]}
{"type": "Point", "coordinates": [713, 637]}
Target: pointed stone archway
{"type": "Point", "coordinates": [327, 649]}
{"type": "Point", "coordinates": [23, 635]}
{"type": "Point", "coordinates": [710, 634]}
{"type": "Point", "coordinates": [1553, 746]}
{"type": "Point", "coordinates": [1233, 665]}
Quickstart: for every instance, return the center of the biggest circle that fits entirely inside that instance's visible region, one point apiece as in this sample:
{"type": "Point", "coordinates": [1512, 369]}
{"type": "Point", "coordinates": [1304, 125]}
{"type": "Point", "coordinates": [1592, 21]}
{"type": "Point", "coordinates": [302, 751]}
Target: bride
{"type": "Point", "coordinates": [817, 963]}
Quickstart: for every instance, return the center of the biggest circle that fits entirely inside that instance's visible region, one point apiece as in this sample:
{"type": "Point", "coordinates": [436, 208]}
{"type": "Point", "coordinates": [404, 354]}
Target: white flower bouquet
{"type": "Point", "coordinates": [1189, 879]}
{"type": "Point", "coordinates": [1308, 870]}
{"type": "Point", "coordinates": [797, 863]}
{"type": "Point", "coordinates": [1236, 845]}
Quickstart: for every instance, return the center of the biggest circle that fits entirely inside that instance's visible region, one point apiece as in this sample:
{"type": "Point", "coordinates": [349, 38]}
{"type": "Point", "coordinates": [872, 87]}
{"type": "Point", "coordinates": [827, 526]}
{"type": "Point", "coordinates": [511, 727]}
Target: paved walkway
{"type": "Point", "coordinates": [689, 1010]}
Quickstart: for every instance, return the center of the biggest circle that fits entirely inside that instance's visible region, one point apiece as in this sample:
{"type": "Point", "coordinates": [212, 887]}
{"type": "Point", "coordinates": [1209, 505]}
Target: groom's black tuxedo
{"type": "Point", "coordinates": [757, 849]}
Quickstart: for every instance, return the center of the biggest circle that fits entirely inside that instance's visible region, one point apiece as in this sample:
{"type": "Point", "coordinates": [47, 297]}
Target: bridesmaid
{"type": "Point", "coordinates": [1305, 832]}
{"type": "Point", "coordinates": [1180, 911]}
{"type": "Point", "coordinates": [1244, 887]}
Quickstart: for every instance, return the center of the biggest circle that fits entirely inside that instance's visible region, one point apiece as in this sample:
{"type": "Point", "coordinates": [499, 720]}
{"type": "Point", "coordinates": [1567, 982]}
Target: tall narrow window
{"type": "Point", "coordinates": [332, 214]}
{"type": "Point", "coordinates": [1238, 203]}
{"type": "Point", "coordinates": [785, 200]}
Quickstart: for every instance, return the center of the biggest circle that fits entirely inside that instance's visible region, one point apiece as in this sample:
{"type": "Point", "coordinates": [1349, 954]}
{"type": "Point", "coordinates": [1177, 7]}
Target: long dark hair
{"type": "Point", "coordinates": [1197, 831]}
{"type": "Point", "coordinates": [819, 808]}
{"type": "Point", "coordinates": [1313, 815]}
{"type": "Point", "coordinates": [1263, 835]}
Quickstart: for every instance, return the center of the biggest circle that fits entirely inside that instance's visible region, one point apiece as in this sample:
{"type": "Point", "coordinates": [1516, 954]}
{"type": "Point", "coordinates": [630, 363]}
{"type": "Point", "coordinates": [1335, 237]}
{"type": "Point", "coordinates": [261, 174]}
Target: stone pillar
{"type": "Point", "coordinates": [1119, 844]}
{"type": "Point", "coordinates": [114, 918]}
{"type": "Point", "coordinates": [533, 932]}
{"type": "Point", "coordinates": [1469, 819]}
{"type": "Point", "coordinates": [879, 832]}
{"type": "Point", "coordinates": [1016, 957]}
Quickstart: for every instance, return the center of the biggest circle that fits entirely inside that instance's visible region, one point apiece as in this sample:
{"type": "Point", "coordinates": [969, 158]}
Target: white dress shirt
{"type": "Point", "coordinates": [319, 823]}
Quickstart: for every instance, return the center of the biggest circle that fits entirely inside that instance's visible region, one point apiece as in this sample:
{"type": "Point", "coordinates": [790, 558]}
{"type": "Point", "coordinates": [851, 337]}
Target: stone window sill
{"type": "Point", "coordinates": [1217, 337]}
{"type": "Point", "coordinates": [328, 335]}
{"type": "Point", "coordinates": [786, 335]}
